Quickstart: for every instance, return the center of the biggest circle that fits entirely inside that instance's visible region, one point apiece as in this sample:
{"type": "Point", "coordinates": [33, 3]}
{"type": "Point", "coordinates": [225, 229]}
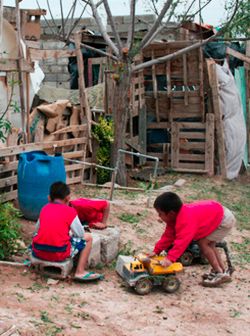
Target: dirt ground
{"type": "Point", "coordinates": [36, 307]}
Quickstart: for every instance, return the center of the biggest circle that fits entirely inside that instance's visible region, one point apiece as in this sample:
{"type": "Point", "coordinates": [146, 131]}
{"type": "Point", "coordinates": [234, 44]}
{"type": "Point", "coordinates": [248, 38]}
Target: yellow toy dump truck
{"type": "Point", "coordinates": [143, 273]}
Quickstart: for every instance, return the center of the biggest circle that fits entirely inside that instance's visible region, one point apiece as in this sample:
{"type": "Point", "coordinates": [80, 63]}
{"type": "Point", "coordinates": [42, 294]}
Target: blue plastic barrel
{"type": "Point", "coordinates": [35, 173]}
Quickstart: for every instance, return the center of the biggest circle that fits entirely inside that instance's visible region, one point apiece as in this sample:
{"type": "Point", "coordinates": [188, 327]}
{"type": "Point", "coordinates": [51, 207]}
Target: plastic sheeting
{"type": "Point", "coordinates": [233, 120]}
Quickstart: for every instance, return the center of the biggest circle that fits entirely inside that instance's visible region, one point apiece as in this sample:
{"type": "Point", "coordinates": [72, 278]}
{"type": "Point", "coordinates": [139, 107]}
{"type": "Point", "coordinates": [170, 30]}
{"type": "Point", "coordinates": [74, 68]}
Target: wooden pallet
{"type": "Point", "coordinates": [72, 148]}
{"type": "Point", "coordinates": [192, 146]}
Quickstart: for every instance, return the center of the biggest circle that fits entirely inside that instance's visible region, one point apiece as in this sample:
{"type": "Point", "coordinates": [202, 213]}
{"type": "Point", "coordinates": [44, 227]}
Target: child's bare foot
{"type": "Point", "coordinates": [99, 226]}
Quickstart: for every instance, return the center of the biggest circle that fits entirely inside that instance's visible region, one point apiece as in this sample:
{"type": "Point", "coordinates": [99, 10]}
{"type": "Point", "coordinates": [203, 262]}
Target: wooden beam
{"type": "Point", "coordinates": [220, 138]}
{"type": "Point", "coordinates": [238, 55]}
{"type": "Point", "coordinates": [37, 55]}
{"type": "Point", "coordinates": [11, 65]}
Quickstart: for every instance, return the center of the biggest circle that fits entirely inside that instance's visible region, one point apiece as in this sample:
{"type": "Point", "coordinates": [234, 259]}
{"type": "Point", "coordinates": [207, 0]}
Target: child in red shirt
{"type": "Point", "coordinates": [59, 233]}
{"type": "Point", "coordinates": [207, 222]}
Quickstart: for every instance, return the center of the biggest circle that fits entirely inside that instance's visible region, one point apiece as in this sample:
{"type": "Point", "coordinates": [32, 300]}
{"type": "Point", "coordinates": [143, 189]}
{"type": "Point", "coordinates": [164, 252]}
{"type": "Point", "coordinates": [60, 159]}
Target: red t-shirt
{"type": "Point", "coordinates": [52, 241]}
{"type": "Point", "coordinates": [88, 210]}
{"type": "Point", "coordinates": [193, 222]}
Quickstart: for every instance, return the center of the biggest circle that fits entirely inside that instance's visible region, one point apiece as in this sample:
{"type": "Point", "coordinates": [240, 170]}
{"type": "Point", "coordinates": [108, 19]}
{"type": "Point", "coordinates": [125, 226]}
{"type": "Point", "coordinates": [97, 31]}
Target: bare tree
{"type": "Point", "coordinates": [122, 53]}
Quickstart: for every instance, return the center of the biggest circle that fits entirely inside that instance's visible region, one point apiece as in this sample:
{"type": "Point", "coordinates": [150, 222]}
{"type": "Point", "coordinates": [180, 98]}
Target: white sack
{"type": "Point", "coordinates": [233, 120]}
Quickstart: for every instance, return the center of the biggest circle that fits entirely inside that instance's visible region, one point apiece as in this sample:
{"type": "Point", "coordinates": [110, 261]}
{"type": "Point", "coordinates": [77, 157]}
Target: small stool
{"type": "Point", "coordinates": [53, 269]}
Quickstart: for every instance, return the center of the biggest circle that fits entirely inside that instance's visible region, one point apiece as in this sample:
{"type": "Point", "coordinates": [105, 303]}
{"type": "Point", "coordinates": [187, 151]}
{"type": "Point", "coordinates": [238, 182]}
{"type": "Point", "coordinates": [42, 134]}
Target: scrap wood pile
{"type": "Point", "coordinates": [56, 113]}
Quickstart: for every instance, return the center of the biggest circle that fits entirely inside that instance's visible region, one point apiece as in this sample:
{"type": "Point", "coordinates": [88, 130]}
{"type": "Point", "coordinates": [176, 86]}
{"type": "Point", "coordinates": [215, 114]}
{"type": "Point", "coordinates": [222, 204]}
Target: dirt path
{"type": "Point", "coordinates": [109, 308]}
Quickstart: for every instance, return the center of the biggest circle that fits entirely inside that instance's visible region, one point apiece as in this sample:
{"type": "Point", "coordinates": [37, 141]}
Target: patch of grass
{"type": "Point", "coordinates": [44, 316]}
{"type": "Point", "coordinates": [243, 250]}
{"type": "Point", "coordinates": [127, 249]}
{"type": "Point", "coordinates": [68, 308]}
{"type": "Point", "coordinates": [129, 218]}
{"type": "Point", "coordinates": [36, 287]}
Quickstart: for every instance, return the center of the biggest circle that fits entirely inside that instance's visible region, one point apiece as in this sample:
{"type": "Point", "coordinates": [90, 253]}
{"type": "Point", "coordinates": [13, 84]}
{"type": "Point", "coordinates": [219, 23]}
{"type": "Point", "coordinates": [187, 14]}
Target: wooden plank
{"type": "Point", "coordinates": [192, 157]}
{"type": "Point", "coordinates": [14, 150]}
{"type": "Point", "coordinates": [159, 125]}
{"type": "Point", "coordinates": [218, 117]}
{"type": "Point", "coordinates": [201, 75]}
{"type": "Point", "coordinates": [192, 135]}
{"type": "Point", "coordinates": [192, 166]}
{"type": "Point", "coordinates": [74, 155]}
{"type": "Point", "coordinates": [209, 151]}
{"type": "Point", "coordinates": [81, 83]}
{"type": "Point", "coordinates": [11, 65]}
{"type": "Point", "coordinates": [8, 167]}
{"type": "Point", "coordinates": [74, 166]}
{"type": "Point", "coordinates": [74, 180]}
{"type": "Point", "coordinates": [72, 128]}
{"type": "Point", "coordinates": [238, 55]}
{"type": "Point", "coordinates": [155, 89]}
{"type": "Point", "coordinates": [185, 80]}
{"type": "Point", "coordinates": [192, 145]}
{"type": "Point", "coordinates": [174, 145]}
{"type": "Point", "coordinates": [8, 181]}
{"type": "Point", "coordinates": [37, 55]}
{"type": "Point", "coordinates": [9, 196]}
{"type": "Point", "coordinates": [189, 170]}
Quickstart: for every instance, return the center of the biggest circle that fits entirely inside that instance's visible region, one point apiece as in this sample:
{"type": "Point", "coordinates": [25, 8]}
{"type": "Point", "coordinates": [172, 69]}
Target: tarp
{"type": "Point", "coordinates": [233, 120]}
{"type": "Point", "coordinates": [240, 78]}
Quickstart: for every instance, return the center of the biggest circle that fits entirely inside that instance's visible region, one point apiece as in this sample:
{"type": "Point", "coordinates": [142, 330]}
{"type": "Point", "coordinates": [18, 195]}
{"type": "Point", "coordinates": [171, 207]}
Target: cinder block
{"type": "Point", "coordinates": [95, 254]}
{"type": "Point", "coordinates": [57, 270]}
{"type": "Point", "coordinates": [50, 77]}
{"type": "Point", "coordinates": [110, 238]}
{"type": "Point", "coordinates": [56, 68]}
{"type": "Point", "coordinates": [121, 261]}
{"type": "Point", "coordinates": [63, 77]}
{"type": "Point", "coordinates": [63, 61]}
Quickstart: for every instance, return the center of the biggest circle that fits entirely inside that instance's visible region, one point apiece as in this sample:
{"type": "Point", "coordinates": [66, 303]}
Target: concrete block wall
{"type": "Point", "coordinates": [55, 70]}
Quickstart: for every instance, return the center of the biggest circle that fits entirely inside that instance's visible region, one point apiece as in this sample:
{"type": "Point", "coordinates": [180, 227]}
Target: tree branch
{"type": "Point", "coordinates": [180, 52]}
{"type": "Point", "coordinates": [74, 24]}
{"type": "Point", "coordinates": [112, 23]}
{"type": "Point", "coordinates": [101, 52]}
{"type": "Point", "coordinates": [169, 57]}
{"type": "Point", "coordinates": [101, 27]}
{"type": "Point", "coordinates": [52, 17]}
{"type": "Point", "coordinates": [131, 29]}
{"type": "Point", "coordinates": [156, 23]}
{"type": "Point", "coordinates": [62, 18]}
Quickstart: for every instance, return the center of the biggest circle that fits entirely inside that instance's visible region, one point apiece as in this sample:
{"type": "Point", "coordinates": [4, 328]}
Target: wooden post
{"type": "Point", "coordinates": [155, 89]}
{"type": "Point", "coordinates": [174, 145]}
{"type": "Point", "coordinates": [20, 57]}
{"type": "Point", "coordinates": [218, 117]}
{"type": "Point", "coordinates": [185, 80]}
{"type": "Point", "coordinates": [83, 98]}
{"type": "Point", "coordinates": [209, 149]}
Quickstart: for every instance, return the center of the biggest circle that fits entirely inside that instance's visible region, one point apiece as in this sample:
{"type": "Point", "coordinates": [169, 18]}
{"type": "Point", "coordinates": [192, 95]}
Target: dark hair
{"type": "Point", "coordinates": [58, 190]}
{"type": "Point", "coordinates": [168, 201]}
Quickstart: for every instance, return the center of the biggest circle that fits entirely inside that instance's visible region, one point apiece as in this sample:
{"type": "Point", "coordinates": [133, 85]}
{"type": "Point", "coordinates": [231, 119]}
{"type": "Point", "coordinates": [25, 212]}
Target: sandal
{"type": "Point", "coordinates": [90, 276]}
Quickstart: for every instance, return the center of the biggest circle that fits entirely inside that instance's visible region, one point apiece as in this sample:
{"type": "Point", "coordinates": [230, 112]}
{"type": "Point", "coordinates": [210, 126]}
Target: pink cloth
{"type": "Point", "coordinates": [193, 222]}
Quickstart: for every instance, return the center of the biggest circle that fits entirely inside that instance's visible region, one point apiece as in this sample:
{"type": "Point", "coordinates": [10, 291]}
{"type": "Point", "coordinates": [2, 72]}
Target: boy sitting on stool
{"type": "Point", "coordinates": [60, 235]}
{"type": "Point", "coordinates": [207, 222]}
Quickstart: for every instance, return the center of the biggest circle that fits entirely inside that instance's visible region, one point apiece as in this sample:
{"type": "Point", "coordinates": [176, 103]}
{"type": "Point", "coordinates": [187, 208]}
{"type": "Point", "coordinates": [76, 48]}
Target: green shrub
{"type": "Point", "coordinates": [104, 134]}
{"type": "Point", "coordinates": [9, 230]}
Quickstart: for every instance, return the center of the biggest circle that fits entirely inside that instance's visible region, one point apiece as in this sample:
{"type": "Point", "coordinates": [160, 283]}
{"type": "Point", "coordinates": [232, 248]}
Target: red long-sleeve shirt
{"type": "Point", "coordinates": [193, 222]}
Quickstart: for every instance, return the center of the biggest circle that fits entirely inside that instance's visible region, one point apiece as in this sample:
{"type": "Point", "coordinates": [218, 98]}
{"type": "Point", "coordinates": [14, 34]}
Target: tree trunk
{"type": "Point", "coordinates": [120, 108]}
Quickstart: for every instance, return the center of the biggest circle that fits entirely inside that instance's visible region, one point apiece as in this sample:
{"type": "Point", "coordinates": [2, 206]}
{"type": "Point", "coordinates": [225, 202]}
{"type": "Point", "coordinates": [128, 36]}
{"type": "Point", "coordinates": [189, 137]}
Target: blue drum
{"type": "Point", "coordinates": [35, 174]}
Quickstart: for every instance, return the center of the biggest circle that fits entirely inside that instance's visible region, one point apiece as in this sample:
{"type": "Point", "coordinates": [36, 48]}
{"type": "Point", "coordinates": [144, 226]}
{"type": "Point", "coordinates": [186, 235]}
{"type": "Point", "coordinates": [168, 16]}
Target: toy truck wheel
{"type": "Point", "coordinates": [186, 259]}
{"type": "Point", "coordinates": [171, 284]}
{"type": "Point", "coordinates": [143, 286]}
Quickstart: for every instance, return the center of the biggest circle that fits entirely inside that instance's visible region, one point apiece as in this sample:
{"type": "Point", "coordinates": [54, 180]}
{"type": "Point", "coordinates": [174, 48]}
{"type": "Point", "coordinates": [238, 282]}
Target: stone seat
{"type": "Point", "coordinates": [58, 270]}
